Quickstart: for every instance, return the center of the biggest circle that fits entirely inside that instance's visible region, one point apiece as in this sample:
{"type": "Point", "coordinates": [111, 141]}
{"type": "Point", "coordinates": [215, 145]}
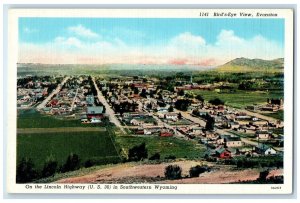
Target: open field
{"type": "Point", "coordinates": [239, 98]}
{"type": "Point", "coordinates": [166, 146]}
{"type": "Point", "coordinates": [96, 146]}
{"type": "Point", "coordinates": [59, 130]}
{"type": "Point", "coordinates": [278, 115]}
{"type": "Point", "coordinates": [33, 119]}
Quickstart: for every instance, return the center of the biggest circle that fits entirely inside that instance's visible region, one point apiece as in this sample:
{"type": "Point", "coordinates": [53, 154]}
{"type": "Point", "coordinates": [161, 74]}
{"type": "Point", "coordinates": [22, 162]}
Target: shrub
{"type": "Point", "coordinates": [138, 153]}
{"type": "Point", "coordinates": [173, 172]}
{"type": "Point", "coordinates": [197, 170]}
{"type": "Point", "coordinates": [216, 101]}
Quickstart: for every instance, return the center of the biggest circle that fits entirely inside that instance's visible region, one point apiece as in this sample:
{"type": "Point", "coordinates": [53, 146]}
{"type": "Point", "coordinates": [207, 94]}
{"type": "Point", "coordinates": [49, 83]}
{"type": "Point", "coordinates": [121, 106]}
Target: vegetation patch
{"type": "Point", "coordinates": [165, 146]}
{"type": "Point", "coordinates": [96, 146]}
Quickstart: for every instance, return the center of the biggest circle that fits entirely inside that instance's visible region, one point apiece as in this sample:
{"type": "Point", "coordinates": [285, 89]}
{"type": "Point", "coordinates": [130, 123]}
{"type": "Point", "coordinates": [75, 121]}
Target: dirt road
{"type": "Point", "coordinates": [109, 111]}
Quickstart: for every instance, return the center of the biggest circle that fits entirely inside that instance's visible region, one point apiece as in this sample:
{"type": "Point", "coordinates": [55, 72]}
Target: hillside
{"type": "Point", "coordinates": [244, 64]}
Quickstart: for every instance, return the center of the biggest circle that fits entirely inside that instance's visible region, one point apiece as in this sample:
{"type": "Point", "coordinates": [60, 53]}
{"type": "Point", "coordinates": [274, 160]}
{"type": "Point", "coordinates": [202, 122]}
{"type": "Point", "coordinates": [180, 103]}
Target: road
{"type": "Point", "coordinates": [74, 100]}
{"type": "Point", "coordinates": [111, 114]}
{"type": "Point", "coordinates": [54, 92]}
{"type": "Point", "coordinates": [201, 122]}
{"type": "Point", "coordinates": [250, 113]}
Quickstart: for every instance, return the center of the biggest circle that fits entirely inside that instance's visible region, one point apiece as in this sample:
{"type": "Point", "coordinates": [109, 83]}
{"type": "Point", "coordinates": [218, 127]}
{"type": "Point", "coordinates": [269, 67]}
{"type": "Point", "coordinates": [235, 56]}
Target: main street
{"type": "Point", "coordinates": [109, 111]}
{"type": "Point", "coordinates": [56, 91]}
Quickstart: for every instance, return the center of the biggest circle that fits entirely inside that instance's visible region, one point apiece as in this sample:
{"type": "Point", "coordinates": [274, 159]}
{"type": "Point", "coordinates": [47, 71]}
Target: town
{"type": "Point", "coordinates": [140, 106]}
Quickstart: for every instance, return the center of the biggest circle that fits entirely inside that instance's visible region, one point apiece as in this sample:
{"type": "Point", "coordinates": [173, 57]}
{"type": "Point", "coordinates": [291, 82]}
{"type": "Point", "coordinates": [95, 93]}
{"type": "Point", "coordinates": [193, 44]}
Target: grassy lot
{"type": "Point", "coordinates": [97, 146]}
{"type": "Point", "coordinates": [239, 98]}
{"type": "Point", "coordinates": [33, 119]}
{"type": "Point", "coordinates": [278, 115]}
{"type": "Point", "coordinates": [241, 134]}
{"type": "Point", "coordinates": [166, 146]}
{"type": "Point", "coordinates": [179, 122]}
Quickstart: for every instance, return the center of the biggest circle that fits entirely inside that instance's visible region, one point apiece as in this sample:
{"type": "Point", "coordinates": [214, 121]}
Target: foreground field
{"type": "Point", "coordinates": [165, 146]}
{"type": "Point", "coordinates": [93, 145]}
{"type": "Point", "coordinates": [154, 173]}
{"type": "Point", "coordinates": [239, 98]}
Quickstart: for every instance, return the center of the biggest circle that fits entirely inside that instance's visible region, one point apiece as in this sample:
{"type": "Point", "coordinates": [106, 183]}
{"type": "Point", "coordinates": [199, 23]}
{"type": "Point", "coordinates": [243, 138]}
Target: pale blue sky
{"type": "Point", "coordinates": [138, 36]}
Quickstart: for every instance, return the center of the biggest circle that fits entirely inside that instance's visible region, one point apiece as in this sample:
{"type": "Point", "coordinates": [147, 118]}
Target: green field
{"type": "Point", "coordinates": [166, 146]}
{"type": "Point", "coordinates": [97, 146]}
{"type": "Point", "coordinates": [33, 119]}
{"type": "Point", "coordinates": [239, 98]}
{"type": "Point", "coordinates": [278, 115]}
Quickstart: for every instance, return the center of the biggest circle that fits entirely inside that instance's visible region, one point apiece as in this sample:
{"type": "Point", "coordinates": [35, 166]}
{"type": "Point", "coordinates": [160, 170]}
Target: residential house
{"type": "Point", "coordinates": [222, 153]}
{"type": "Point", "coordinates": [264, 149]}
{"type": "Point", "coordinates": [229, 141]}
{"type": "Point", "coordinates": [233, 142]}
{"type": "Point", "coordinates": [263, 135]}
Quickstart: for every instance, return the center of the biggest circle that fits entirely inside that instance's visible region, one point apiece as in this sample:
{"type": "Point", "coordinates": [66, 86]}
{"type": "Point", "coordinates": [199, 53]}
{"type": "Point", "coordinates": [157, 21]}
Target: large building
{"type": "Point", "coordinates": [95, 112]}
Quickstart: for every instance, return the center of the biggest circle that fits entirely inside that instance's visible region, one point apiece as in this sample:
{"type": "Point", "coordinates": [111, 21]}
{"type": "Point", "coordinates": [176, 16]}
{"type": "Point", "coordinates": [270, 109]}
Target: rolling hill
{"type": "Point", "coordinates": [249, 65]}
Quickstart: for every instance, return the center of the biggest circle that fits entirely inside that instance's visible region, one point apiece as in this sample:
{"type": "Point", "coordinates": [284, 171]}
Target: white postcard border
{"type": "Point", "coordinates": [286, 188]}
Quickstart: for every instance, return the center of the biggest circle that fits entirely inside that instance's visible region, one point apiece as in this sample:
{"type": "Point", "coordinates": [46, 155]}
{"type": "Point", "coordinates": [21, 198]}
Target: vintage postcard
{"type": "Point", "coordinates": [150, 101]}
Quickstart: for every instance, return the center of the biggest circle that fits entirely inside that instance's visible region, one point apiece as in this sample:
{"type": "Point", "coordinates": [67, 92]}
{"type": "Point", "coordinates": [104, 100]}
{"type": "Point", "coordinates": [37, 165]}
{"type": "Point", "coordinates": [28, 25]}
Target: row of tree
{"type": "Point", "coordinates": [27, 172]}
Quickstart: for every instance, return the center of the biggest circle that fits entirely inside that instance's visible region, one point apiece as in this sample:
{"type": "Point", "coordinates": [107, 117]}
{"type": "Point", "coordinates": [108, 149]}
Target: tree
{"type": "Point", "coordinates": [182, 104]}
{"type": "Point", "coordinates": [197, 170]}
{"type": "Point", "coordinates": [200, 98]}
{"type": "Point", "coordinates": [171, 109]}
{"type": "Point", "coordinates": [210, 123]}
{"type": "Point", "coordinates": [143, 93]}
{"type": "Point", "coordinates": [189, 95]}
{"type": "Point", "coordinates": [50, 167]}
{"type": "Point", "coordinates": [263, 175]}
{"type": "Point", "coordinates": [173, 172]}
{"type": "Point", "coordinates": [72, 163]}
{"type": "Point", "coordinates": [216, 102]}
{"type": "Point", "coordinates": [26, 171]}
{"type": "Point", "coordinates": [138, 153]}
{"type": "Point", "coordinates": [135, 90]}
{"type": "Point", "coordinates": [179, 116]}
{"type": "Point", "coordinates": [181, 93]}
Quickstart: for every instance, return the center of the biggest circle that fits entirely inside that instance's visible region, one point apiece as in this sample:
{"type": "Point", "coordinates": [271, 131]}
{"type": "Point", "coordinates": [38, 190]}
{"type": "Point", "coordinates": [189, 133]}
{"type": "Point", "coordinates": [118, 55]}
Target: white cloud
{"type": "Point", "coordinates": [82, 31]}
{"type": "Point", "coordinates": [71, 41]}
{"type": "Point", "coordinates": [30, 30]}
{"type": "Point", "coordinates": [185, 48]}
{"type": "Point", "coordinates": [186, 39]}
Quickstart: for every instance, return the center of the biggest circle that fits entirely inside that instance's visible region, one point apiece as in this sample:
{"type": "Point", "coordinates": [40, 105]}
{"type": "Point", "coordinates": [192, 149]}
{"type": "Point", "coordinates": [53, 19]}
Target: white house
{"type": "Point", "coordinates": [264, 149]}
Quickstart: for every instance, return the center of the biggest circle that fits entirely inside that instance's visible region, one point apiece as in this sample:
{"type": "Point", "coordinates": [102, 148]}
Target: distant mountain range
{"type": "Point", "coordinates": [245, 64]}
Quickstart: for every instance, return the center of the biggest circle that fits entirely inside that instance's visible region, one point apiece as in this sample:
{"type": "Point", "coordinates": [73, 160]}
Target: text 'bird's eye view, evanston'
{"type": "Point", "coordinates": [150, 101]}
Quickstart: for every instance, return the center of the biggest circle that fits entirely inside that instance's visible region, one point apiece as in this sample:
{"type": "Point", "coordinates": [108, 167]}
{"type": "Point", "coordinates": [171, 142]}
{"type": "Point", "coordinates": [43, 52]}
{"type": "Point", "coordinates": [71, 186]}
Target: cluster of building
{"type": "Point", "coordinates": [146, 109]}
{"type": "Point", "coordinates": [76, 99]}
{"type": "Point", "coordinates": [31, 90]}
{"type": "Point", "coordinates": [273, 105]}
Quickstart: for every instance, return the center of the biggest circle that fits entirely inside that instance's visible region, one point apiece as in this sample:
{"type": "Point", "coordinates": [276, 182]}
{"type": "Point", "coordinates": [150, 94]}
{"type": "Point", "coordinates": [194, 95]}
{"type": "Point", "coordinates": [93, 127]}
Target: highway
{"type": "Point", "coordinates": [109, 111]}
